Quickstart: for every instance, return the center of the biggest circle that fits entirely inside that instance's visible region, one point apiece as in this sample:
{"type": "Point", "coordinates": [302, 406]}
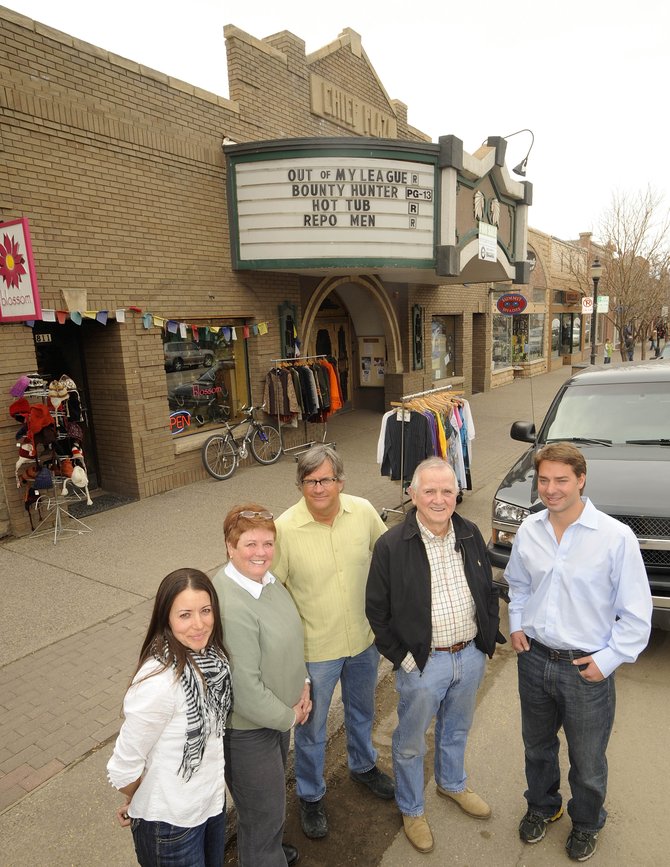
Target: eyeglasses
{"type": "Point", "coordinates": [325, 483]}
{"type": "Point", "coordinates": [268, 516]}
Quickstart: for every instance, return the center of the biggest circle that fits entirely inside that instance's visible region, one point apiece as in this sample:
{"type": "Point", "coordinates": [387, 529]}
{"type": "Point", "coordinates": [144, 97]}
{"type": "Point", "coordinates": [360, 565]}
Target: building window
{"type": "Point", "coordinates": [527, 337]}
{"type": "Point", "coordinates": [502, 340]}
{"type": "Point", "coordinates": [443, 343]}
{"type": "Point", "coordinates": [207, 376]}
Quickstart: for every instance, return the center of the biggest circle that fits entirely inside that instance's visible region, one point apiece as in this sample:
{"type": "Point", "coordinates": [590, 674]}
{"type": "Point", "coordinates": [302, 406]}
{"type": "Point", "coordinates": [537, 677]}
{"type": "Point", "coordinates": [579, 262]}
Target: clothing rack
{"type": "Point", "coordinates": [308, 443]}
{"type": "Point", "coordinates": [402, 405]}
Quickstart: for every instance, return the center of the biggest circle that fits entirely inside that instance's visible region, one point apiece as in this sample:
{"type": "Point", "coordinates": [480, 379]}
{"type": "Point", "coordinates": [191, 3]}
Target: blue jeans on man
{"type": "Point", "coordinates": [447, 690]}
{"type": "Point", "coordinates": [358, 677]}
{"type": "Point", "coordinates": [553, 694]}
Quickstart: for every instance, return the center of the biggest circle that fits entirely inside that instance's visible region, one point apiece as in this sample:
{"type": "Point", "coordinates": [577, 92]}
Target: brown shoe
{"type": "Point", "coordinates": [417, 831]}
{"type": "Point", "coordinates": [468, 801]}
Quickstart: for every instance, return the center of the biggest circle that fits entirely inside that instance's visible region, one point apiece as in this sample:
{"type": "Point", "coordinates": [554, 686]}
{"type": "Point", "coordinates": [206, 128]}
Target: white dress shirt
{"type": "Point", "coordinates": [569, 595]}
{"type": "Point", "coordinates": [151, 745]}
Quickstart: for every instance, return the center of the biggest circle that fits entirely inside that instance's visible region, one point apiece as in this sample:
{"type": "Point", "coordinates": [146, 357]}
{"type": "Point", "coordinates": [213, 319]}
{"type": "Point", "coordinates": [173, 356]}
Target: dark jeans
{"type": "Point", "coordinates": [159, 844]}
{"type": "Point", "coordinates": [255, 774]}
{"type": "Point", "coordinates": [553, 694]}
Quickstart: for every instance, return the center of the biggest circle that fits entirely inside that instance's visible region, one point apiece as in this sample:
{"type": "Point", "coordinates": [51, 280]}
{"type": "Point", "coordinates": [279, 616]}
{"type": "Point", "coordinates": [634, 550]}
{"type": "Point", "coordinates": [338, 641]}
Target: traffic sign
{"type": "Point", "coordinates": [587, 304]}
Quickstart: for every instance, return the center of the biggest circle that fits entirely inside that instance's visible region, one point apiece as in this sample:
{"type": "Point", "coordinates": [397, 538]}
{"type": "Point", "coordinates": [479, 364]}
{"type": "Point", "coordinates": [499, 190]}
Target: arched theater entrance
{"type": "Point", "coordinates": [352, 319]}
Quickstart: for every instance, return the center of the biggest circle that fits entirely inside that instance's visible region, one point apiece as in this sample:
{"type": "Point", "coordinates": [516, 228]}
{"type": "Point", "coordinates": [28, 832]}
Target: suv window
{"type": "Point", "coordinates": [615, 412]}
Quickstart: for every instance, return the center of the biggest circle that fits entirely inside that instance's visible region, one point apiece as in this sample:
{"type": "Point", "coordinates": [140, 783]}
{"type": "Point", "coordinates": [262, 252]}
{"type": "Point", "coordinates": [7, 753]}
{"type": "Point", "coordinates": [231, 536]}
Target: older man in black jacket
{"type": "Point", "coordinates": [433, 609]}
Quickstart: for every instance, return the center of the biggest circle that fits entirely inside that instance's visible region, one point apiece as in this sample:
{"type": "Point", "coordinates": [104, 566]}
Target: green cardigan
{"type": "Point", "coordinates": [265, 644]}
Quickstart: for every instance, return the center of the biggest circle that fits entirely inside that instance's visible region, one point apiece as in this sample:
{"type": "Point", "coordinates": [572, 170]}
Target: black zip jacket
{"type": "Point", "coordinates": [398, 598]}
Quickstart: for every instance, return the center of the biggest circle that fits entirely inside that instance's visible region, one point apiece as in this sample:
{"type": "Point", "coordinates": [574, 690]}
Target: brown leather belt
{"type": "Point", "coordinates": [455, 648]}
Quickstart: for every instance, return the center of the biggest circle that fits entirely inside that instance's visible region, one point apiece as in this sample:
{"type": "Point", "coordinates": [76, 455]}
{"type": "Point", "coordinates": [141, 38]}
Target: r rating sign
{"type": "Point", "coordinates": [587, 305]}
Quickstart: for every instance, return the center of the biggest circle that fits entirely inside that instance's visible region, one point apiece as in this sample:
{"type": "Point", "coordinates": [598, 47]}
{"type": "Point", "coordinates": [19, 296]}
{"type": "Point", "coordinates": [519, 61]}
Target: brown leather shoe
{"type": "Point", "coordinates": [468, 801]}
{"type": "Point", "coordinates": [417, 831]}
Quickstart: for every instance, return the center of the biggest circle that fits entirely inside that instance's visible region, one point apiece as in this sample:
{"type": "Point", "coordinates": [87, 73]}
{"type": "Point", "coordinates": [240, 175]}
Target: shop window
{"type": "Point", "coordinates": [207, 376]}
{"type": "Point", "coordinates": [502, 340]}
{"type": "Point", "coordinates": [443, 346]}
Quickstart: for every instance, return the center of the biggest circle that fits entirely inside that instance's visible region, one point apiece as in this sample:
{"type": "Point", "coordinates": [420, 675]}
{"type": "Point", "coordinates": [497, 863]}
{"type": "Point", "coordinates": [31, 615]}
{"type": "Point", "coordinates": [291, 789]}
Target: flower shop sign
{"type": "Point", "coordinates": [19, 296]}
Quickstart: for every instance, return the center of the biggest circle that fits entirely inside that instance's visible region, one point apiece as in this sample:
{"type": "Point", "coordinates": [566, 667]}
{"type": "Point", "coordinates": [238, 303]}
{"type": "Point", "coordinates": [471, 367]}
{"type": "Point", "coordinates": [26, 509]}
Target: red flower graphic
{"type": "Point", "coordinates": [11, 262]}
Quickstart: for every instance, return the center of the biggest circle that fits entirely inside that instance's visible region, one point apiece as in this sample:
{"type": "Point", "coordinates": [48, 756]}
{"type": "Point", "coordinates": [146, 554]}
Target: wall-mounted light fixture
{"type": "Point", "coordinates": [520, 169]}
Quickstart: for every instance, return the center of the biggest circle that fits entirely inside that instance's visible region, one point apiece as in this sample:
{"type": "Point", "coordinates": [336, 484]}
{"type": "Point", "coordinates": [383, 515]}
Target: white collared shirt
{"type": "Point", "coordinates": [248, 584]}
{"type": "Point", "coordinates": [570, 594]}
{"type": "Point", "coordinates": [151, 745]}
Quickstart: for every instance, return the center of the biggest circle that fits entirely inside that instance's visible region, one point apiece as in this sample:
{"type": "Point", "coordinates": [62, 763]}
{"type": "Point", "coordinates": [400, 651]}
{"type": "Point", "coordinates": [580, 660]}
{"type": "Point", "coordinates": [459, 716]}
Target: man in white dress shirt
{"type": "Point", "coordinates": [580, 605]}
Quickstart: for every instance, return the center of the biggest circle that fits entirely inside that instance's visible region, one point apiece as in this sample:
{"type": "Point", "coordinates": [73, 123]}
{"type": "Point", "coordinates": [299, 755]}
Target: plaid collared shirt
{"type": "Point", "coordinates": [452, 605]}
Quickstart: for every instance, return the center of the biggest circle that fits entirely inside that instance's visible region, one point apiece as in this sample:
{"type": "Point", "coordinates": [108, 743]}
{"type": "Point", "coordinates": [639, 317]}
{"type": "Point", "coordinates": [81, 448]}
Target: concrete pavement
{"type": "Point", "coordinates": [75, 614]}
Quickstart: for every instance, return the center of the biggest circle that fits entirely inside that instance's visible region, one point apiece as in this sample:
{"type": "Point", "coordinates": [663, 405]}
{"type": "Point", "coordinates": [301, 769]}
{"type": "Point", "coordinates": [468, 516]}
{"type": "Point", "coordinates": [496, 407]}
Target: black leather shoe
{"type": "Point", "coordinates": [291, 853]}
{"type": "Point", "coordinates": [379, 783]}
{"type": "Point", "coordinates": [313, 819]}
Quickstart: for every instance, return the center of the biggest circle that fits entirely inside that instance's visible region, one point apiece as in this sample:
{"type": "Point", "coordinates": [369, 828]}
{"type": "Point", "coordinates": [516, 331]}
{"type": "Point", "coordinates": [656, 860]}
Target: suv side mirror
{"type": "Point", "coordinates": [524, 431]}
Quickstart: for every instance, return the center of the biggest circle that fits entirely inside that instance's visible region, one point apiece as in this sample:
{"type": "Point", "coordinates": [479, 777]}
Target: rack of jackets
{"type": "Point", "coordinates": [303, 389]}
{"type": "Point", "coordinates": [434, 422]}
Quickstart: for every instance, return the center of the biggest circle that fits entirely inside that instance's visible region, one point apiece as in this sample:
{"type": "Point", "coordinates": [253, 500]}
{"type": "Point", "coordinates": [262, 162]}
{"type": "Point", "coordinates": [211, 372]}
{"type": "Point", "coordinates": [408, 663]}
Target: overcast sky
{"type": "Point", "coordinates": [588, 77]}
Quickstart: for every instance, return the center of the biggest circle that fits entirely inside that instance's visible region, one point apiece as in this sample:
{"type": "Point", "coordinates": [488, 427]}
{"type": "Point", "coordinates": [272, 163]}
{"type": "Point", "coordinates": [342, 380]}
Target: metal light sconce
{"type": "Point", "coordinates": [521, 168]}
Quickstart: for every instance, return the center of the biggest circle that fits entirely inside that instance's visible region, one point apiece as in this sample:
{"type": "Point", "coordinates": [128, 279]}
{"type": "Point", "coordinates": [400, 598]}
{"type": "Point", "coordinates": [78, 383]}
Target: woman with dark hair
{"type": "Point", "coordinates": [168, 758]}
{"type": "Point", "coordinates": [263, 633]}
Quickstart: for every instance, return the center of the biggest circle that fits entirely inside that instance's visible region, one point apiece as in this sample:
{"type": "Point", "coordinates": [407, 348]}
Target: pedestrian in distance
{"type": "Point", "coordinates": [580, 606]}
{"type": "Point", "coordinates": [609, 349]}
{"type": "Point", "coordinates": [324, 546]}
{"type": "Point", "coordinates": [264, 637]}
{"type": "Point", "coordinates": [168, 759]}
{"type": "Point", "coordinates": [434, 612]}
{"type": "Point", "coordinates": [629, 347]}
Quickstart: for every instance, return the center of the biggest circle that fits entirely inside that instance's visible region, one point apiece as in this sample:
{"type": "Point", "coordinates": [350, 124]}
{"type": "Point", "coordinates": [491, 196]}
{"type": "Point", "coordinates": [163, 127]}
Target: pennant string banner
{"type": "Point", "coordinates": [172, 326]}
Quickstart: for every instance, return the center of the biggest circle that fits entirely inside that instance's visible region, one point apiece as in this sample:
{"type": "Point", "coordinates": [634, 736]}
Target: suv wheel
{"type": "Point", "coordinates": [178, 364]}
{"type": "Point", "coordinates": [208, 361]}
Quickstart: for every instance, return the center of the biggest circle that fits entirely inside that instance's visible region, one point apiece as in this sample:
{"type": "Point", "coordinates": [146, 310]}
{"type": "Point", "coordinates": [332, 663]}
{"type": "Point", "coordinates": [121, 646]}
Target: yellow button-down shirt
{"type": "Point", "coordinates": [325, 569]}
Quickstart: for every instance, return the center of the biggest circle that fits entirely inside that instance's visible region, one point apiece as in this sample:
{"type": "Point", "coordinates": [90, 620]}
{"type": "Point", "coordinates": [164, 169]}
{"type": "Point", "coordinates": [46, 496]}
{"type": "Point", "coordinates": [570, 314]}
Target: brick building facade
{"type": "Point", "coordinates": [121, 173]}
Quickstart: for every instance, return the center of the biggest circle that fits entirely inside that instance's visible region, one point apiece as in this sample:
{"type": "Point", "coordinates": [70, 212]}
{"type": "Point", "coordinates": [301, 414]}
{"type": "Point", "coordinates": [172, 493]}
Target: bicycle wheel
{"type": "Point", "coordinates": [266, 444]}
{"type": "Point", "coordinates": [219, 457]}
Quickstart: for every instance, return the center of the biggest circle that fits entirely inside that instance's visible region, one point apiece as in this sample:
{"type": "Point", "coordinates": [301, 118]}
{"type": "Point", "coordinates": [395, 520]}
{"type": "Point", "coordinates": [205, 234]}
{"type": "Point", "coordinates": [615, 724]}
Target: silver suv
{"type": "Point", "coordinates": [620, 418]}
{"type": "Point", "coordinates": [186, 353]}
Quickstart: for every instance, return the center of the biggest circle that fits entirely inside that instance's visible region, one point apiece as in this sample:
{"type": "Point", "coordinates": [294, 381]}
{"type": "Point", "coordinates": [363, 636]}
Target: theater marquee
{"type": "Point", "coordinates": [375, 206]}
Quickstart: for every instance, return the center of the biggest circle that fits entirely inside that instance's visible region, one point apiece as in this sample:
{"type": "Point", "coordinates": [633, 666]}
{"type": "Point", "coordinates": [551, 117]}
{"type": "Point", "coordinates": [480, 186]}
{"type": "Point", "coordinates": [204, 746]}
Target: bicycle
{"type": "Point", "coordinates": [222, 452]}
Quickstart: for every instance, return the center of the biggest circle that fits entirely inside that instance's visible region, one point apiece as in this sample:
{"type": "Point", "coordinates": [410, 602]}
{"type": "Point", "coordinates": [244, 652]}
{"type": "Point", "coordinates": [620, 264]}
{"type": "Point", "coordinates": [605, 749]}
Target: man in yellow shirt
{"type": "Point", "coordinates": [323, 550]}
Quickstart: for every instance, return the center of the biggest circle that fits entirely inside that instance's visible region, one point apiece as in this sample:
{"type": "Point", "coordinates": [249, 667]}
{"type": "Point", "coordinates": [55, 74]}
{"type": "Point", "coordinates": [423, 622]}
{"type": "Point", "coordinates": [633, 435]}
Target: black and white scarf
{"type": "Point", "coordinates": [207, 705]}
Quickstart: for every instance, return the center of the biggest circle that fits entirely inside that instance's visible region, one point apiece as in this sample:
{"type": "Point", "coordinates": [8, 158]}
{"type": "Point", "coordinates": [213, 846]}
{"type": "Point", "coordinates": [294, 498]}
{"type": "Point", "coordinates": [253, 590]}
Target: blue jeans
{"type": "Point", "coordinates": [447, 690]}
{"type": "Point", "coordinates": [159, 844]}
{"type": "Point", "coordinates": [358, 676]}
{"type": "Point", "coordinates": [553, 694]}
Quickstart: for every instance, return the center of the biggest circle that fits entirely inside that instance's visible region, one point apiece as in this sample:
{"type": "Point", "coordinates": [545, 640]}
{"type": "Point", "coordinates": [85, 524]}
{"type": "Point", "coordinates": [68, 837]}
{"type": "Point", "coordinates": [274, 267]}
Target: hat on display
{"type": "Point", "coordinates": [19, 386]}
{"type": "Point", "coordinates": [26, 449]}
{"type": "Point", "coordinates": [66, 468]}
{"type": "Point", "coordinates": [20, 409]}
{"type": "Point", "coordinates": [79, 477]}
{"type": "Point", "coordinates": [40, 417]}
{"type": "Point", "coordinates": [74, 431]}
{"type": "Point", "coordinates": [35, 381]}
{"type": "Point", "coordinates": [43, 480]}
{"type": "Point", "coordinates": [68, 383]}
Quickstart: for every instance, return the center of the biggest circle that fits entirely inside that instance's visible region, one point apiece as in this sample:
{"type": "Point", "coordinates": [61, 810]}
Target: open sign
{"type": "Point", "coordinates": [511, 303]}
{"type": "Point", "coordinates": [180, 421]}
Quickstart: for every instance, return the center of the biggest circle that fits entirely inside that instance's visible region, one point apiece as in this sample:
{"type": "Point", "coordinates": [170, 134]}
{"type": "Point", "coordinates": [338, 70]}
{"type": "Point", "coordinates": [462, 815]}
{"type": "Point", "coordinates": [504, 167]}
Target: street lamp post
{"type": "Point", "coordinates": [596, 274]}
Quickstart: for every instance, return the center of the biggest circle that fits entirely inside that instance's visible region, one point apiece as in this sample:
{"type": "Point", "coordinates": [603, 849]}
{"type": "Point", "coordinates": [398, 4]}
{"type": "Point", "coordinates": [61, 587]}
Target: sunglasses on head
{"type": "Point", "coordinates": [267, 516]}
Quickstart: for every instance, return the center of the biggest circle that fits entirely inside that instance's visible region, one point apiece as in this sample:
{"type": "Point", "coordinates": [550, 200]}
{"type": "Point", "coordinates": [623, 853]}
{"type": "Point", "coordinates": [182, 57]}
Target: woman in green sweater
{"type": "Point", "coordinates": [264, 638]}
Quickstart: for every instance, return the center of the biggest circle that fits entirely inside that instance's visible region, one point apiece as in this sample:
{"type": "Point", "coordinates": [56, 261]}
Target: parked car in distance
{"type": "Point", "coordinates": [665, 352]}
{"type": "Point", "coordinates": [619, 416]}
{"type": "Point", "coordinates": [186, 353]}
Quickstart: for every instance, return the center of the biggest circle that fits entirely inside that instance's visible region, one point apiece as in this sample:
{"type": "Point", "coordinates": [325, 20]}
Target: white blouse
{"type": "Point", "coordinates": [151, 745]}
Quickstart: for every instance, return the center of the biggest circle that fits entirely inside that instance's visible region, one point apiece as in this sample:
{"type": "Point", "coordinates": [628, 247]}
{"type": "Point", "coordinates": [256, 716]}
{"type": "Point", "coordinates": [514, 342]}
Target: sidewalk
{"type": "Point", "coordinates": [75, 614]}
